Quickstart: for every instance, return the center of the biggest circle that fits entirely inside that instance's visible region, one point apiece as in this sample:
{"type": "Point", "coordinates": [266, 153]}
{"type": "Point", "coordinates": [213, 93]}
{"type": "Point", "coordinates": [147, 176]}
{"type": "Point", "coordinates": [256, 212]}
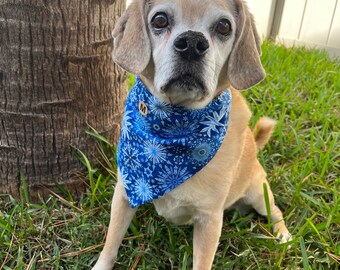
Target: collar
{"type": "Point", "coordinates": [162, 145]}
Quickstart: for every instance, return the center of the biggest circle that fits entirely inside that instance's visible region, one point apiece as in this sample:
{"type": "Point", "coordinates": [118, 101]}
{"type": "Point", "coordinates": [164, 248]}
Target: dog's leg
{"type": "Point", "coordinates": [255, 197]}
{"type": "Point", "coordinates": [121, 216]}
{"type": "Point", "coordinates": [207, 232]}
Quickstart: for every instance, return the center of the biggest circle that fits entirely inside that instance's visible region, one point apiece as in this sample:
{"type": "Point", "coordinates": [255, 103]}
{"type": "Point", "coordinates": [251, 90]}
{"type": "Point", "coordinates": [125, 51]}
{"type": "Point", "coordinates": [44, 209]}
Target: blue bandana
{"type": "Point", "coordinates": [162, 145]}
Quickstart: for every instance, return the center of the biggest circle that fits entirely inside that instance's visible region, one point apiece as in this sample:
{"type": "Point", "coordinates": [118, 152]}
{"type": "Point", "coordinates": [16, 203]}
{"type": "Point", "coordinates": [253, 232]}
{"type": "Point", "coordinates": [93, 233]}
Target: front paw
{"type": "Point", "coordinates": [103, 264]}
{"type": "Point", "coordinates": [284, 237]}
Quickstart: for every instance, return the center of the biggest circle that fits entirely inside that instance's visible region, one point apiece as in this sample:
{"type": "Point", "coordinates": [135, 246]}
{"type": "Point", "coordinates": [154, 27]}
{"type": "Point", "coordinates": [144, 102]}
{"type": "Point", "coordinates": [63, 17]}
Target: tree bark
{"type": "Point", "coordinates": [56, 75]}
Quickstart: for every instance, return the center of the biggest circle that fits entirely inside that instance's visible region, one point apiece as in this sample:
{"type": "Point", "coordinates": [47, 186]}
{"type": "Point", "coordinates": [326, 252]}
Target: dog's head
{"type": "Point", "coordinates": [188, 51]}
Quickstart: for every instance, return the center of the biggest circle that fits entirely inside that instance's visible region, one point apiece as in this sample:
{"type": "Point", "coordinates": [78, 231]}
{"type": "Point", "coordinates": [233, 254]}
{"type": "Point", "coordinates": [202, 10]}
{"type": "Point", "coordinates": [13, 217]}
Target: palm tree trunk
{"type": "Point", "coordinates": [56, 75]}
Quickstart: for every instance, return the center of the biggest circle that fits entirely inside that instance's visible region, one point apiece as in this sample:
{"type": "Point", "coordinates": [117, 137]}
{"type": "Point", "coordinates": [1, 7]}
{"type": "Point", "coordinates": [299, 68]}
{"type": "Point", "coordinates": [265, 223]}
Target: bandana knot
{"type": "Point", "coordinates": [162, 145]}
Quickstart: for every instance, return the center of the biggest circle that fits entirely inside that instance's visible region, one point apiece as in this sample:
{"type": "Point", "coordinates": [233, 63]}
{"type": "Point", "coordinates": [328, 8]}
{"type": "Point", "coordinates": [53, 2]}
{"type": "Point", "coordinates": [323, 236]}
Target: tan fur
{"type": "Point", "coordinates": [132, 49]}
{"type": "Point", "coordinates": [194, 8]}
{"type": "Point", "coordinates": [263, 131]}
{"type": "Point", "coordinates": [233, 178]}
{"type": "Point", "coordinates": [244, 66]}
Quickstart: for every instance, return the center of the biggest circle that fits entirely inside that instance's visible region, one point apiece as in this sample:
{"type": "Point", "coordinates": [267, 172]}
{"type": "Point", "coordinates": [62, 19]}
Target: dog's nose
{"type": "Point", "coordinates": [191, 45]}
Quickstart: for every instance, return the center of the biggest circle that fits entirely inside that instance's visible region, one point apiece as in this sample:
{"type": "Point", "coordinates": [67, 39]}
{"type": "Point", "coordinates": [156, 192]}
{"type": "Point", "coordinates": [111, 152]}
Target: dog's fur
{"type": "Point", "coordinates": [234, 177]}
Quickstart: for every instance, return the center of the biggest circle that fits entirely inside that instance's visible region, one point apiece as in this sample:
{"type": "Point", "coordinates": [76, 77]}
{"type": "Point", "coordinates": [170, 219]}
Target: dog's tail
{"type": "Point", "coordinates": [263, 130]}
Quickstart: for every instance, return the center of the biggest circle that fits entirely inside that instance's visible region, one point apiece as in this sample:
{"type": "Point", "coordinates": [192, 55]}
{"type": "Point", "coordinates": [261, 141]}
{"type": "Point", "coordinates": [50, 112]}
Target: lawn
{"type": "Point", "coordinates": [302, 92]}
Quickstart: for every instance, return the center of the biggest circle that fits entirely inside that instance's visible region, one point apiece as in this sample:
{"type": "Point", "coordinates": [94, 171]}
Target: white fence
{"type": "Point", "coordinates": [312, 23]}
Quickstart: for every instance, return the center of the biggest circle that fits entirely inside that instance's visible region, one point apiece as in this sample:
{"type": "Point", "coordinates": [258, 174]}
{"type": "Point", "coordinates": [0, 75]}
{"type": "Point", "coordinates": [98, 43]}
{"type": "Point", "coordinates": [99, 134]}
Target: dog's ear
{"type": "Point", "coordinates": [244, 65]}
{"type": "Point", "coordinates": [132, 48]}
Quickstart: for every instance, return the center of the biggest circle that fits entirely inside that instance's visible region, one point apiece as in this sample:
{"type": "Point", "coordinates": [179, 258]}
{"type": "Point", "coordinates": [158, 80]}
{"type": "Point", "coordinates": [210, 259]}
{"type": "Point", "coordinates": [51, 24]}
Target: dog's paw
{"type": "Point", "coordinates": [102, 265]}
{"type": "Point", "coordinates": [282, 233]}
{"type": "Point", "coordinates": [284, 237]}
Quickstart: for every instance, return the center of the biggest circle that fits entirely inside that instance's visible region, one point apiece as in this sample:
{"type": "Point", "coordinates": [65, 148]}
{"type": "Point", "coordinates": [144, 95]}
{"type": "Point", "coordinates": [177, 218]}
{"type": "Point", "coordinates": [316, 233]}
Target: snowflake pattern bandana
{"type": "Point", "coordinates": [162, 145]}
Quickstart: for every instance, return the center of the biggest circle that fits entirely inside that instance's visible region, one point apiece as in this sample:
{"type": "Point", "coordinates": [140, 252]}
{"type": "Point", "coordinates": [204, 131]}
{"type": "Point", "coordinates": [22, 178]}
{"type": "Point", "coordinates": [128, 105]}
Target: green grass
{"type": "Point", "coordinates": [301, 91]}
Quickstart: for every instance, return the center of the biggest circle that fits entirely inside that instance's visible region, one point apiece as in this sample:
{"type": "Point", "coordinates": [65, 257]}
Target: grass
{"type": "Point", "coordinates": [301, 91]}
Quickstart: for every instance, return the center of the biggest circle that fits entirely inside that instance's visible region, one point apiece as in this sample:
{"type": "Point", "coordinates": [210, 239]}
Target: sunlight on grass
{"type": "Point", "coordinates": [302, 92]}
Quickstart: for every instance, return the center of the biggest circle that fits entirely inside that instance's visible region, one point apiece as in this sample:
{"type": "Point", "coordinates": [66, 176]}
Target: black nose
{"type": "Point", "coordinates": [191, 45]}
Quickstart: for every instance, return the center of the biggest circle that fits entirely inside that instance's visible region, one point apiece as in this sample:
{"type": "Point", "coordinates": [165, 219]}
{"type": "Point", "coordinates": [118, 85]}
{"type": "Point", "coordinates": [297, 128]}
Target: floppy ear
{"type": "Point", "coordinates": [244, 66]}
{"type": "Point", "coordinates": [132, 48]}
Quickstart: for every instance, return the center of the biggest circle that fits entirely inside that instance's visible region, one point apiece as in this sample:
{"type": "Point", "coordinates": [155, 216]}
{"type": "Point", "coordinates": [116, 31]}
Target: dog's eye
{"type": "Point", "coordinates": [223, 27]}
{"type": "Point", "coordinates": [160, 20]}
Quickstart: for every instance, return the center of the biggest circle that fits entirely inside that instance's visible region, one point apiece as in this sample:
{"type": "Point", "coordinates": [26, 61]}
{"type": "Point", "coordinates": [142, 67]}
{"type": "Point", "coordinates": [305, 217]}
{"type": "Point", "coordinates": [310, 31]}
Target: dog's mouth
{"type": "Point", "coordinates": [185, 89]}
{"type": "Point", "coordinates": [185, 83]}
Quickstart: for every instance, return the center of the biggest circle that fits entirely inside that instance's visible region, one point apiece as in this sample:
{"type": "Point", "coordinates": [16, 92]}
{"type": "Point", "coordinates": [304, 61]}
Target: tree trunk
{"type": "Point", "coordinates": [56, 75]}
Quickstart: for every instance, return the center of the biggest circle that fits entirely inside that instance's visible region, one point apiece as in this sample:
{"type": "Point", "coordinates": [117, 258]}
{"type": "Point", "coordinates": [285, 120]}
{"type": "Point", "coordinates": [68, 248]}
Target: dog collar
{"type": "Point", "coordinates": [162, 145]}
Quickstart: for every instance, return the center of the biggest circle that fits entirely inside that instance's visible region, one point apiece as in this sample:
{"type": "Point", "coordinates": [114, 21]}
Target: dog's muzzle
{"type": "Point", "coordinates": [191, 45]}
{"type": "Point", "coordinates": [186, 82]}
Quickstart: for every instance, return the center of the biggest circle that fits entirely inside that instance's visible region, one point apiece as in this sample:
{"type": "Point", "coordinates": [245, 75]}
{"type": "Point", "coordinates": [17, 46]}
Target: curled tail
{"type": "Point", "coordinates": [263, 130]}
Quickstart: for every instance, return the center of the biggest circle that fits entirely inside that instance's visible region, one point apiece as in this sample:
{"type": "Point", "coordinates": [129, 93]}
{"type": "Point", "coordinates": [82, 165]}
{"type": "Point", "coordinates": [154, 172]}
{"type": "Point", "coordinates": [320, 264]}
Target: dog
{"type": "Point", "coordinates": [193, 56]}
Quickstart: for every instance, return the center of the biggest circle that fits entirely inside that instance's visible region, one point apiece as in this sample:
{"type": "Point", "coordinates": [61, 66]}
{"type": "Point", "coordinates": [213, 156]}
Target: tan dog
{"type": "Point", "coordinates": [187, 52]}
